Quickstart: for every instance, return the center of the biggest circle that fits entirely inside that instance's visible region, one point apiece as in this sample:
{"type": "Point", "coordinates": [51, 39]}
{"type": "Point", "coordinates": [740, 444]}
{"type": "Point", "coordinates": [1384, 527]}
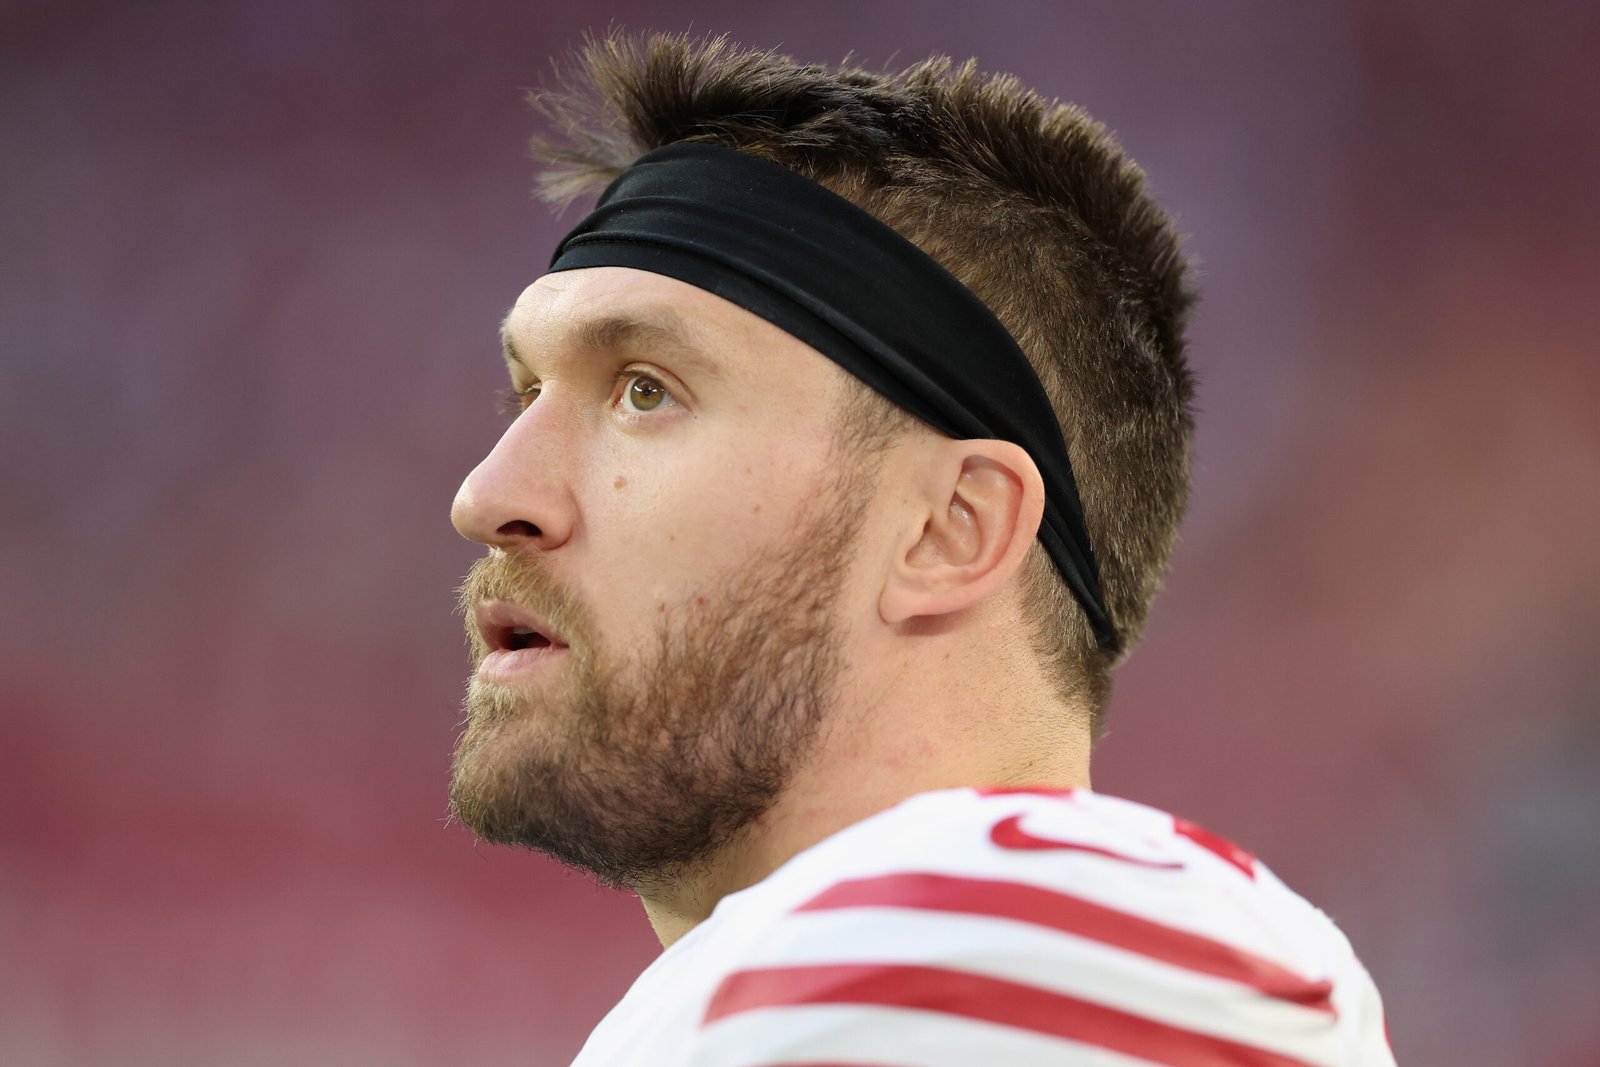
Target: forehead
{"type": "Point", "coordinates": [602, 308]}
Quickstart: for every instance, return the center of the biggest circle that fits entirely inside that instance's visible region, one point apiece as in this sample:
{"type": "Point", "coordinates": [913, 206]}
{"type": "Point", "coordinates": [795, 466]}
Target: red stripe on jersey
{"type": "Point", "coordinates": [1216, 843]}
{"type": "Point", "coordinates": [1008, 833]}
{"type": "Point", "coordinates": [1083, 918]}
{"type": "Point", "coordinates": [993, 1000]}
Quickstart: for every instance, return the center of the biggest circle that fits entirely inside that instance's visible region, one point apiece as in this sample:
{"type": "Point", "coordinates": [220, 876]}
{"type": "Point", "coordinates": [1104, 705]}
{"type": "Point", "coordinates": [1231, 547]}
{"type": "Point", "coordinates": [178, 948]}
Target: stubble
{"type": "Point", "coordinates": [638, 766]}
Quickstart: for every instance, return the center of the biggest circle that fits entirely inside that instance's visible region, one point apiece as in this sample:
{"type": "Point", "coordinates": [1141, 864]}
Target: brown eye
{"type": "Point", "coordinates": [640, 393]}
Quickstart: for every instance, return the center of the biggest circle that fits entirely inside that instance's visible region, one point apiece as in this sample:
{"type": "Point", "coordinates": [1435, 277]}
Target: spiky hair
{"type": "Point", "coordinates": [1030, 202]}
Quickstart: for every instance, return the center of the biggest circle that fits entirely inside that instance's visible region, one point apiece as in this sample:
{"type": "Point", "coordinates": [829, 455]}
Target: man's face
{"type": "Point", "coordinates": [657, 631]}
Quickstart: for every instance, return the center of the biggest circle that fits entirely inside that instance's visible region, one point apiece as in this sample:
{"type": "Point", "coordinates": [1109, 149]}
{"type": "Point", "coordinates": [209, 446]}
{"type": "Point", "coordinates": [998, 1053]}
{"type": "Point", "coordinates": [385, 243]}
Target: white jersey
{"type": "Point", "coordinates": [972, 928]}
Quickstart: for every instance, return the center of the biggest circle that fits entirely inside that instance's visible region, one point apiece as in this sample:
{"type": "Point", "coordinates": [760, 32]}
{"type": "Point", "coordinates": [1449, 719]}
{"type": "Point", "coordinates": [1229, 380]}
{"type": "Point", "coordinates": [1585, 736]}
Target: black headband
{"type": "Point", "coordinates": [818, 267]}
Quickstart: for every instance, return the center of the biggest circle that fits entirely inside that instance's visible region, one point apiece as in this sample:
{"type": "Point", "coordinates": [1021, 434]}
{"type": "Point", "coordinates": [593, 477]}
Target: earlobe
{"type": "Point", "coordinates": [984, 502]}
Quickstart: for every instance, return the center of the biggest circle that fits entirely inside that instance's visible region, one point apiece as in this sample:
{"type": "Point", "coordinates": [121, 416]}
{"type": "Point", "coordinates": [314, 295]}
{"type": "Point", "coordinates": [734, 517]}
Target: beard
{"type": "Point", "coordinates": [640, 767]}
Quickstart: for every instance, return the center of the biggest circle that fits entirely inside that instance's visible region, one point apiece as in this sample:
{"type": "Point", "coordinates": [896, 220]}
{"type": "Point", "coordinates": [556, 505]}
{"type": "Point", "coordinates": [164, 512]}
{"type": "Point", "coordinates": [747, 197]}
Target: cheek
{"type": "Point", "coordinates": [661, 525]}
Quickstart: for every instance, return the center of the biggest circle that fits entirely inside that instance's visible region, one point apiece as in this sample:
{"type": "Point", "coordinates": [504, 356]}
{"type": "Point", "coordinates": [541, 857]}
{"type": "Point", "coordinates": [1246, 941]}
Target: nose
{"type": "Point", "coordinates": [520, 496]}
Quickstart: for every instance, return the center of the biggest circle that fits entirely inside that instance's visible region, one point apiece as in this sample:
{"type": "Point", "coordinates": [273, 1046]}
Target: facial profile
{"type": "Point", "coordinates": [635, 753]}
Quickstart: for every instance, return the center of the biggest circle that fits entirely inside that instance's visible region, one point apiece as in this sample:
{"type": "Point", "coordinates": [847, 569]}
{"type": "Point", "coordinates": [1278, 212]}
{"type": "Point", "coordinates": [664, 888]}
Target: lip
{"type": "Point", "coordinates": [508, 666]}
{"type": "Point", "coordinates": [513, 654]}
{"type": "Point", "coordinates": [497, 621]}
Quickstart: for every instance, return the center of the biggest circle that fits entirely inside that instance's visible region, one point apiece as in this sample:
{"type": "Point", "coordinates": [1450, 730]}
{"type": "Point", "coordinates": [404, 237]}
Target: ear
{"type": "Point", "coordinates": [984, 500]}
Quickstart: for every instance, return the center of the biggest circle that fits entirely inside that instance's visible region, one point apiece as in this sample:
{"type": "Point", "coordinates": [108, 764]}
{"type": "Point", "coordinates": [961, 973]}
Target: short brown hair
{"type": "Point", "coordinates": [1031, 203]}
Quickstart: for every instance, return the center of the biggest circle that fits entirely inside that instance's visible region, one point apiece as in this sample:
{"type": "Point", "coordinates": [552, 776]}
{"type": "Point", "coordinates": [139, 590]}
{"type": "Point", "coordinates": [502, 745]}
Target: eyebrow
{"type": "Point", "coordinates": [658, 330]}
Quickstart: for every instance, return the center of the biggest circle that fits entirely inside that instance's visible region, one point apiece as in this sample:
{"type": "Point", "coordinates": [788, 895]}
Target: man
{"type": "Point", "coordinates": [851, 444]}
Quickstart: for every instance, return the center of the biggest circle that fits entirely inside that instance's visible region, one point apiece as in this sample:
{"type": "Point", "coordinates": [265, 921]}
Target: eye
{"type": "Point", "coordinates": [642, 393]}
{"type": "Point", "coordinates": [515, 401]}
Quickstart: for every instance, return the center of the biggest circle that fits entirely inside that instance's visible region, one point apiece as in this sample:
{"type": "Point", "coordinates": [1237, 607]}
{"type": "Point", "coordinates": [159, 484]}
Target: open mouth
{"type": "Point", "coordinates": [516, 638]}
{"type": "Point", "coordinates": [521, 645]}
{"type": "Point", "coordinates": [509, 627]}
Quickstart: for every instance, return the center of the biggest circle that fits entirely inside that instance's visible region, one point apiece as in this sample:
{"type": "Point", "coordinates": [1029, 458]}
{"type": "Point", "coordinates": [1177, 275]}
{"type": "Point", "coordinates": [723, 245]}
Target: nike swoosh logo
{"type": "Point", "coordinates": [1009, 834]}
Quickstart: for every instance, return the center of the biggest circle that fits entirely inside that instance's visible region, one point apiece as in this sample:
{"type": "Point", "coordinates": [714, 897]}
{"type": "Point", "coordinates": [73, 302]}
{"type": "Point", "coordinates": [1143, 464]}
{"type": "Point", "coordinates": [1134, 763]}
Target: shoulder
{"type": "Point", "coordinates": [970, 926]}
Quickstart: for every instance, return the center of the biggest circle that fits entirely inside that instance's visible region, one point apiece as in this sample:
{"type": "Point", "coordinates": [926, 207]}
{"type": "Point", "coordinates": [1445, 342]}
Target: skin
{"type": "Point", "coordinates": [637, 513]}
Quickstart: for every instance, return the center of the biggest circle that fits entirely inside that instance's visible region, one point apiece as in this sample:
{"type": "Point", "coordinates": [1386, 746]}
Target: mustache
{"type": "Point", "coordinates": [528, 581]}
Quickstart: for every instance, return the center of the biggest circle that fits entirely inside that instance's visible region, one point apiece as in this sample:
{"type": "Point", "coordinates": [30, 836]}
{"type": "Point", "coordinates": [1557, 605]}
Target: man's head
{"type": "Point", "coordinates": [702, 524]}
{"type": "Point", "coordinates": [1028, 202]}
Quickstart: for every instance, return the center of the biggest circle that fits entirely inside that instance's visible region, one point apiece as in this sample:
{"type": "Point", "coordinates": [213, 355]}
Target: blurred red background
{"type": "Point", "coordinates": [254, 256]}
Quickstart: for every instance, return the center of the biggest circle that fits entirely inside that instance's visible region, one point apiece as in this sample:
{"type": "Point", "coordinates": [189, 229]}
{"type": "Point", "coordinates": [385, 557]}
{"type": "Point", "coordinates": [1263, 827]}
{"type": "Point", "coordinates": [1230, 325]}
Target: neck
{"type": "Point", "coordinates": [918, 729]}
